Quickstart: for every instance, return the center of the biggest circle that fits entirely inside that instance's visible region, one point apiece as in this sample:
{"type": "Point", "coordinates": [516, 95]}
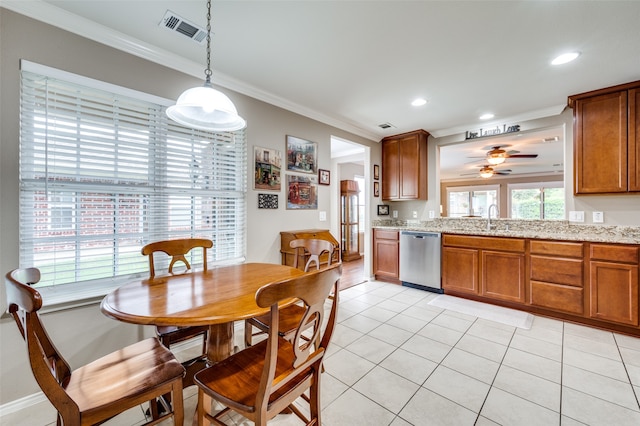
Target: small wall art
{"type": "Point", "coordinates": [267, 201]}
{"type": "Point", "coordinates": [267, 165]}
{"type": "Point", "coordinates": [324, 177]}
{"type": "Point", "coordinates": [302, 192]}
{"type": "Point", "coordinates": [376, 172]}
{"type": "Point", "coordinates": [383, 210]}
{"type": "Point", "coordinates": [301, 155]}
{"type": "Point", "coordinates": [376, 189]}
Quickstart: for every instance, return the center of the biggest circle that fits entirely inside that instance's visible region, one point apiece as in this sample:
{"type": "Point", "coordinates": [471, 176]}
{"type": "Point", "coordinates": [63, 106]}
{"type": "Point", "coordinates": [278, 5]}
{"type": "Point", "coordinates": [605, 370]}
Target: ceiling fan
{"type": "Point", "coordinates": [497, 155]}
{"type": "Point", "coordinates": [487, 171]}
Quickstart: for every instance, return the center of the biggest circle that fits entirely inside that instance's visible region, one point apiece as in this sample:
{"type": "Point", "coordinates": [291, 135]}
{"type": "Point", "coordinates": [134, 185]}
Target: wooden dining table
{"type": "Point", "coordinates": [217, 297]}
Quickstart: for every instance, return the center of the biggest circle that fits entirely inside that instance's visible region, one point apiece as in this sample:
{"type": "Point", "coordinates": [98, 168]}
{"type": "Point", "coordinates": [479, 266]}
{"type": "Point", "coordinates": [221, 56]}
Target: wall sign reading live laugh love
{"type": "Point", "coordinates": [493, 131]}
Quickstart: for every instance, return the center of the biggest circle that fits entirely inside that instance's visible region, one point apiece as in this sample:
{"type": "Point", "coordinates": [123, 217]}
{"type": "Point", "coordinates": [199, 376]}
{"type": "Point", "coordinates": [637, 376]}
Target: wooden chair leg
{"type": "Point", "coordinates": [248, 334]}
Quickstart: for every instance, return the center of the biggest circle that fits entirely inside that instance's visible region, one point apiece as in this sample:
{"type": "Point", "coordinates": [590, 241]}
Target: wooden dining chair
{"type": "Point", "coordinates": [290, 315]}
{"type": "Point", "coordinates": [263, 380]}
{"type": "Point", "coordinates": [91, 394]}
{"type": "Point", "coordinates": [177, 251]}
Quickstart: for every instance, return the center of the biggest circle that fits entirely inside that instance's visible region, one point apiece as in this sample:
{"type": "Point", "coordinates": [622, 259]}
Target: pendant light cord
{"type": "Point", "coordinates": [208, 72]}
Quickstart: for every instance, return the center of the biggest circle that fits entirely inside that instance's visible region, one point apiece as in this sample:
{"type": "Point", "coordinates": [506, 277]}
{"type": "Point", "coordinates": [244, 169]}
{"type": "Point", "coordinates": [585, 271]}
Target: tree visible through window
{"type": "Point", "coordinates": [537, 201]}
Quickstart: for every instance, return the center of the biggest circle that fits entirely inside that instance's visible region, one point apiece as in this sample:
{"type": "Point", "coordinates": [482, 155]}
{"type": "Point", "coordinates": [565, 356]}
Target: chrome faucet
{"type": "Point", "coordinates": [491, 226]}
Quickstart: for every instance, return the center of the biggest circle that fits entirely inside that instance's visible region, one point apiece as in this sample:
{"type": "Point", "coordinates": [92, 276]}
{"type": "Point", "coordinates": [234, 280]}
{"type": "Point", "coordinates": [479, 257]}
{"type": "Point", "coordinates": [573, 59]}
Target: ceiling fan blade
{"type": "Point", "coordinates": [501, 173]}
{"type": "Point", "coordinates": [523, 156]}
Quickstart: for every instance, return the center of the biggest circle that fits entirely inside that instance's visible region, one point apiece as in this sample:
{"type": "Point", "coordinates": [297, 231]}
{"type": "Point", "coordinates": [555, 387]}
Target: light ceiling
{"type": "Point", "coordinates": [358, 64]}
{"type": "Point", "coordinates": [361, 63]}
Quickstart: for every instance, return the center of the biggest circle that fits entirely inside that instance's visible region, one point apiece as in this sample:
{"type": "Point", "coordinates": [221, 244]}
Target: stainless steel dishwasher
{"type": "Point", "coordinates": [420, 260]}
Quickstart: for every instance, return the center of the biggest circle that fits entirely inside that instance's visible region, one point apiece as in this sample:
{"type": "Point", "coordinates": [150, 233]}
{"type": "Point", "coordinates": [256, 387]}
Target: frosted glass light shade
{"type": "Point", "coordinates": [486, 172]}
{"type": "Point", "coordinates": [205, 108]}
{"type": "Point", "coordinates": [495, 160]}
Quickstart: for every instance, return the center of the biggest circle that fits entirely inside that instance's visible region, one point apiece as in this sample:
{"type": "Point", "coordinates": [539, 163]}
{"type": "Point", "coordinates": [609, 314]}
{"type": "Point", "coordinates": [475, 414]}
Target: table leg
{"type": "Point", "coordinates": [220, 343]}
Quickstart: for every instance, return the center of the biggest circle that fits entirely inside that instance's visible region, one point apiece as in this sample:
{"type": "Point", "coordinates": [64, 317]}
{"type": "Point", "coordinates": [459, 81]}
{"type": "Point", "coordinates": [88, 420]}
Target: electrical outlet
{"type": "Point", "coordinates": [414, 214]}
{"type": "Point", "coordinates": [576, 216]}
{"type": "Point", "coordinates": [395, 214]}
{"type": "Point", "coordinates": [432, 214]}
{"type": "Point", "coordinates": [598, 217]}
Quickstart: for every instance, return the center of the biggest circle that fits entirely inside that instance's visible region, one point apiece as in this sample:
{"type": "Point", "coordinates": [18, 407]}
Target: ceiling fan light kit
{"type": "Point", "coordinates": [486, 172]}
{"type": "Point", "coordinates": [204, 107]}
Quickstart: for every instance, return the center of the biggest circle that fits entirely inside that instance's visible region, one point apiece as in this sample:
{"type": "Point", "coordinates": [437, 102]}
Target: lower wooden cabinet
{"type": "Point", "coordinates": [556, 278]}
{"type": "Point", "coordinates": [594, 283]}
{"type": "Point", "coordinates": [386, 255]}
{"type": "Point", "coordinates": [485, 266]}
{"type": "Point", "coordinates": [460, 269]}
{"type": "Point", "coordinates": [613, 283]}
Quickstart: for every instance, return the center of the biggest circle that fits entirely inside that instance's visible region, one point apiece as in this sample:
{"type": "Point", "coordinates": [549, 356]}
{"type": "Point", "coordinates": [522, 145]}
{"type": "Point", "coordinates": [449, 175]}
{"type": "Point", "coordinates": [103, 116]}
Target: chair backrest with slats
{"type": "Point", "coordinates": [48, 366]}
{"type": "Point", "coordinates": [313, 289]}
{"type": "Point", "coordinates": [176, 249]}
{"type": "Point", "coordinates": [315, 247]}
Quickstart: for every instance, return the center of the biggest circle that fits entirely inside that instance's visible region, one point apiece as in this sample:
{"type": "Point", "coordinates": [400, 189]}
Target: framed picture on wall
{"type": "Point", "coordinates": [301, 155]}
{"type": "Point", "coordinates": [267, 164]}
{"type": "Point", "coordinates": [324, 177]}
{"type": "Point", "coordinates": [376, 172]}
{"type": "Point", "coordinates": [376, 189]}
{"type": "Point", "coordinates": [383, 210]}
{"type": "Point", "coordinates": [302, 192]}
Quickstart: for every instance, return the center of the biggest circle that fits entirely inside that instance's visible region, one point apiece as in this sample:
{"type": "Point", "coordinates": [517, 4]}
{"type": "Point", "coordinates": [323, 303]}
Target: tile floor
{"type": "Point", "coordinates": [396, 360]}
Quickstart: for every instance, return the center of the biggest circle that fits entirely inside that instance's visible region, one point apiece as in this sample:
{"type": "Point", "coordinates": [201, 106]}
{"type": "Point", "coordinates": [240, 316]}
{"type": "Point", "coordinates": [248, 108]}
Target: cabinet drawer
{"type": "Point", "coordinates": [557, 248]}
{"type": "Point", "coordinates": [386, 235]}
{"type": "Point", "coordinates": [485, 243]}
{"type": "Point", "coordinates": [558, 271]}
{"type": "Point", "coordinates": [623, 254]}
{"type": "Point", "coordinates": [557, 297]}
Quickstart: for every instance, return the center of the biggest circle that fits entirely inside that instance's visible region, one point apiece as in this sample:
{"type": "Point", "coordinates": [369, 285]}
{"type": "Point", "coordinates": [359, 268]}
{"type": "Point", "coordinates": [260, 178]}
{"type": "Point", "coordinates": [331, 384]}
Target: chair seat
{"type": "Point", "coordinates": [289, 320]}
{"type": "Point", "coordinates": [234, 380]}
{"type": "Point", "coordinates": [125, 373]}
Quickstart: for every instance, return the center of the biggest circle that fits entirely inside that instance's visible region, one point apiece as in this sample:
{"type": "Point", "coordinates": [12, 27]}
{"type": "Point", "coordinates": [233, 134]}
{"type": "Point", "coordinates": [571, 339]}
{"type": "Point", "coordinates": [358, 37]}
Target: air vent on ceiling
{"type": "Point", "coordinates": [173, 22]}
{"type": "Point", "coordinates": [386, 125]}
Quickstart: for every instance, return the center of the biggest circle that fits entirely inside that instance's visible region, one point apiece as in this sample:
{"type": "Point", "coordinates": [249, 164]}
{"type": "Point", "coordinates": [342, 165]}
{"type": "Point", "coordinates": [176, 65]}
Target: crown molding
{"type": "Point", "coordinates": [49, 14]}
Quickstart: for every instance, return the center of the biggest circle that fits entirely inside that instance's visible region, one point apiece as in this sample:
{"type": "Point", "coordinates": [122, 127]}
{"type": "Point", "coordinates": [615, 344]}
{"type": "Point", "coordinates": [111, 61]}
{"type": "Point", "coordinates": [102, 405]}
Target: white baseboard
{"type": "Point", "coordinates": [21, 404]}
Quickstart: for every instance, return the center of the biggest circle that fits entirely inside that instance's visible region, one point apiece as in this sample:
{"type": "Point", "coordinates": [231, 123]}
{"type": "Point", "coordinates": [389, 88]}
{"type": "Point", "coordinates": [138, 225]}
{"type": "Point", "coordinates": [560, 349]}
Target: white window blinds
{"type": "Point", "coordinates": [103, 173]}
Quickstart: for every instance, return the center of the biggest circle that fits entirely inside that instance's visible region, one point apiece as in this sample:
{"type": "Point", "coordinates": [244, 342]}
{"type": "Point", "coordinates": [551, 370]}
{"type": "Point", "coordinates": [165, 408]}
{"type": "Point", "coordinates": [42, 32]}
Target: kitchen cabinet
{"type": "Point", "coordinates": [556, 278]}
{"type": "Point", "coordinates": [492, 267]}
{"type": "Point", "coordinates": [613, 283]}
{"type": "Point", "coordinates": [386, 255]}
{"type": "Point", "coordinates": [606, 146]}
{"type": "Point", "coordinates": [288, 254]}
{"type": "Point", "coordinates": [349, 227]}
{"type": "Point", "coordinates": [404, 166]}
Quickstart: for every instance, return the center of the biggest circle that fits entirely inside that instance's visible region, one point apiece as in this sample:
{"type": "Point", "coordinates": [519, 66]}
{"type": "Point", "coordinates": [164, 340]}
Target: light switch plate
{"type": "Point", "coordinates": [432, 214]}
{"type": "Point", "coordinates": [576, 216]}
{"type": "Point", "coordinates": [395, 214]}
{"type": "Point", "coordinates": [323, 216]}
{"type": "Point", "coordinates": [598, 217]}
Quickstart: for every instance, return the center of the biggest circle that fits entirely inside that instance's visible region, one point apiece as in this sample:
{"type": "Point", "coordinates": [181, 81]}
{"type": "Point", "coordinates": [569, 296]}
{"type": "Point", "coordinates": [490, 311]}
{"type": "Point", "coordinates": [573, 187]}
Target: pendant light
{"type": "Point", "coordinates": [204, 107]}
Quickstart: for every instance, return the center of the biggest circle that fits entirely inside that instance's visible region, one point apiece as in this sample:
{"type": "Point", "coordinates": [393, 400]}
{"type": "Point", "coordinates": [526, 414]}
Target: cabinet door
{"type": "Point", "coordinates": [386, 255]}
{"type": "Point", "coordinates": [600, 152]}
{"type": "Point", "coordinates": [460, 269]}
{"type": "Point", "coordinates": [503, 276]}
{"type": "Point", "coordinates": [634, 140]}
{"type": "Point", "coordinates": [614, 292]}
{"type": "Point", "coordinates": [409, 178]}
{"type": "Point", "coordinates": [390, 169]}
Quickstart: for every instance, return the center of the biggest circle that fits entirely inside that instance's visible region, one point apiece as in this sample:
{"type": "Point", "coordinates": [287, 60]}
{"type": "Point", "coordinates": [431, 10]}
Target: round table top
{"type": "Point", "coordinates": [216, 296]}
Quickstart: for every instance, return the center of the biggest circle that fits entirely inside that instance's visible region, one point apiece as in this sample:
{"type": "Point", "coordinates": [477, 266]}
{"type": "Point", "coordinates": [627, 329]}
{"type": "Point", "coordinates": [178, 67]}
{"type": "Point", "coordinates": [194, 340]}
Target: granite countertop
{"type": "Point", "coordinates": [541, 229]}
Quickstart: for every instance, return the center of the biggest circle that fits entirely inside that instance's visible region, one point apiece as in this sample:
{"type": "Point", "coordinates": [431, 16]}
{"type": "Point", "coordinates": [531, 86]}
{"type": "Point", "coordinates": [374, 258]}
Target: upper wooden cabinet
{"type": "Point", "coordinates": [404, 166]}
{"type": "Point", "coordinates": [606, 140]}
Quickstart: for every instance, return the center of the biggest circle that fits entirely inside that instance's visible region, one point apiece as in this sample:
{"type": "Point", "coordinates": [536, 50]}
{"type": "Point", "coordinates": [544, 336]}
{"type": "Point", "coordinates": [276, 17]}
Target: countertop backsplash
{"type": "Point", "coordinates": [522, 228]}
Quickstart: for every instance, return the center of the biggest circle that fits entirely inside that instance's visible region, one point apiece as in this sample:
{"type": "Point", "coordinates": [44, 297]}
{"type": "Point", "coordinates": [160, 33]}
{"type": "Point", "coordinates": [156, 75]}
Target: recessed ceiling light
{"type": "Point", "coordinates": [564, 58]}
{"type": "Point", "coordinates": [419, 102]}
{"type": "Point", "coordinates": [486, 116]}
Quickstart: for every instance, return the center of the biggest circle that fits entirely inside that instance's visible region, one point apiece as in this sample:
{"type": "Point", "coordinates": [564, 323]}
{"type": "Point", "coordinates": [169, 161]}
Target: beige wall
{"type": "Point", "coordinates": [84, 333]}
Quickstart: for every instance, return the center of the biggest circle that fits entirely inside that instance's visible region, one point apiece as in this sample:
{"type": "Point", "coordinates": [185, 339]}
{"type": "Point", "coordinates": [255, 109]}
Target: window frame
{"type": "Point", "coordinates": [471, 189]}
{"type": "Point", "coordinates": [535, 185]}
{"type": "Point", "coordinates": [72, 294]}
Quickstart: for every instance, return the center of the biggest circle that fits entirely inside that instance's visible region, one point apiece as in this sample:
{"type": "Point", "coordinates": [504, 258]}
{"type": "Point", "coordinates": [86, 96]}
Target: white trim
{"type": "Point", "coordinates": [92, 83]}
{"type": "Point", "coordinates": [24, 403]}
{"type": "Point", "coordinates": [52, 15]}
